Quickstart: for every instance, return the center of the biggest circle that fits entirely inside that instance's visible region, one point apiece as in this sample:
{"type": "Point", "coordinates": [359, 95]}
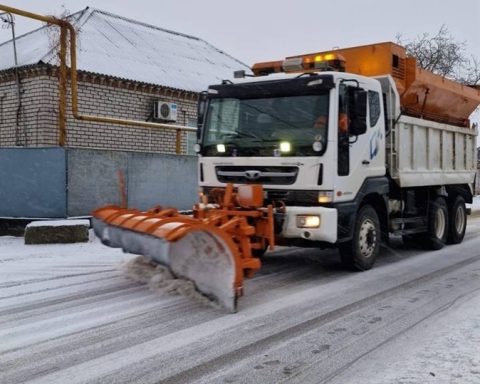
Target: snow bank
{"type": "Point", "coordinates": [58, 223]}
{"type": "Point", "coordinates": [158, 278]}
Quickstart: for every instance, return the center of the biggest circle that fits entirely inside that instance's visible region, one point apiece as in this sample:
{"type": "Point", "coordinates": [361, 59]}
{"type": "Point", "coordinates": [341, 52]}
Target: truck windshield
{"type": "Point", "coordinates": [277, 126]}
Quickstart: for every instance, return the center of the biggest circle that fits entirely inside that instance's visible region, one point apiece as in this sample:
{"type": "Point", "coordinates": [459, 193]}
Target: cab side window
{"type": "Point", "coordinates": [343, 166]}
{"type": "Point", "coordinates": [374, 107]}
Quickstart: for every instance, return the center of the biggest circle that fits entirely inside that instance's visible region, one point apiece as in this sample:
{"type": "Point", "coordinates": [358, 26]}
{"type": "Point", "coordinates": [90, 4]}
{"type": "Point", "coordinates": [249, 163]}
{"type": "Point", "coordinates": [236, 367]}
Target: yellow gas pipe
{"type": "Point", "coordinates": [64, 26]}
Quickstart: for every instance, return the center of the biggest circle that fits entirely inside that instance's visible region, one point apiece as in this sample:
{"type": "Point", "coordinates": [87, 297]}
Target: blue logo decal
{"type": "Point", "coordinates": [375, 144]}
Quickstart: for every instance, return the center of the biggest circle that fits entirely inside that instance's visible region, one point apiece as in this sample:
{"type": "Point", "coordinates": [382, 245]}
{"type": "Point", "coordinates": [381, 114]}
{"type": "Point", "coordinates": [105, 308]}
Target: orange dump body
{"type": "Point", "coordinates": [422, 93]}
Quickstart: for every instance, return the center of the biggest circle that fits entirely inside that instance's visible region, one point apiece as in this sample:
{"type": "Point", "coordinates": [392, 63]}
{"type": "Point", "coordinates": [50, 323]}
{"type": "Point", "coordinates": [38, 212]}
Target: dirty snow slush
{"type": "Point", "coordinates": [73, 313]}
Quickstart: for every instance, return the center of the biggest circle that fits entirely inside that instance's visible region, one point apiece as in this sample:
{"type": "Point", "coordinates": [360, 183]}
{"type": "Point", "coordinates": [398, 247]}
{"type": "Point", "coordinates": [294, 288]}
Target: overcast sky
{"type": "Point", "coordinates": [259, 30]}
{"type": "Point", "coordinates": [263, 30]}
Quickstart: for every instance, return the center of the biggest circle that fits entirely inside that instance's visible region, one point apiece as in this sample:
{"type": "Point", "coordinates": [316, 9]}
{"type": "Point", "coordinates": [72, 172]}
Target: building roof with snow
{"type": "Point", "coordinates": [119, 47]}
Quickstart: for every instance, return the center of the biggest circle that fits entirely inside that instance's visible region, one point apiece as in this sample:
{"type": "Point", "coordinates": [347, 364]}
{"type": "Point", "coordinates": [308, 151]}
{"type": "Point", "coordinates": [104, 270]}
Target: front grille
{"type": "Point", "coordinates": [289, 198]}
{"type": "Point", "coordinates": [255, 174]}
{"type": "Point", "coordinates": [277, 195]}
{"type": "Point", "coordinates": [300, 198]}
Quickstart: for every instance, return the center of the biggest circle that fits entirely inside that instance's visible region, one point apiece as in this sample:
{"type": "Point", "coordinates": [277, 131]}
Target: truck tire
{"type": "Point", "coordinates": [437, 223]}
{"type": "Point", "coordinates": [457, 216]}
{"type": "Point", "coordinates": [360, 252]}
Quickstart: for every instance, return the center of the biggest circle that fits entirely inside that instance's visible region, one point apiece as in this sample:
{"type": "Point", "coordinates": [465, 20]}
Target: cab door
{"type": "Point", "coordinates": [360, 141]}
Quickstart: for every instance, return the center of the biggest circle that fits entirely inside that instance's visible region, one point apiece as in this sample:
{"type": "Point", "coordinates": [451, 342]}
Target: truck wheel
{"type": "Point", "coordinates": [436, 235]}
{"type": "Point", "coordinates": [457, 223]}
{"type": "Point", "coordinates": [360, 252]}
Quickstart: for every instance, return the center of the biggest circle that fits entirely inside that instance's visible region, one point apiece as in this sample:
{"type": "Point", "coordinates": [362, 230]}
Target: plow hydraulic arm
{"type": "Point", "coordinates": [212, 248]}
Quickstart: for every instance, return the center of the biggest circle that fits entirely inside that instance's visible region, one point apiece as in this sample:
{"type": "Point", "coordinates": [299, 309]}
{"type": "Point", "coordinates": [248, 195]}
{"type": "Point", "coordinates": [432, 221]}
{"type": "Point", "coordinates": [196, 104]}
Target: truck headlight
{"type": "Point", "coordinates": [285, 147]}
{"type": "Point", "coordinates": [325, 197]}
{"type": "Point", "coordinates": [308, 221]}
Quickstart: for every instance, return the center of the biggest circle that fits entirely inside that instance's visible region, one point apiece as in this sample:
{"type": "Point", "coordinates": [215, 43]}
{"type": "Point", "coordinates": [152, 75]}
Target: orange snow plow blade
{"type": "Point", "coordinates": [212, 248]}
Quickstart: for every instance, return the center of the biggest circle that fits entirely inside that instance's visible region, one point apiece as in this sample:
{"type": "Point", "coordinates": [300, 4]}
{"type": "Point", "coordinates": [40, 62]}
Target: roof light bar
{"type": "Point", "coordinates": [293, 65]}
{"type": "Point", "coordinates": [313, 62]}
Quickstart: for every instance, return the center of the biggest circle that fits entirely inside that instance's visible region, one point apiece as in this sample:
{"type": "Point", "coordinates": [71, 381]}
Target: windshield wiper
{"type": "Point", "coordinates": [240, 134]}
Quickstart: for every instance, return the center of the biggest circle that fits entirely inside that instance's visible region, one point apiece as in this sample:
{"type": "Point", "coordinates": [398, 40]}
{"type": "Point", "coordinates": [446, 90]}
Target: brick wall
{"type": "Point", "coordinates": [36, 114]}
{"type": "Point", "coordinates": [97, 95]}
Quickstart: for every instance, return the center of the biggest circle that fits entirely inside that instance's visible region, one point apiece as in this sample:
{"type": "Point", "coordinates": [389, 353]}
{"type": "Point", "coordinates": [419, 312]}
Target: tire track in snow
{"type": "Point", "coordinates": [215, 364]}
{"type": "Point", "coordinates": [9, 284]}
{"type": "Point", "coordinates": [144, 368]}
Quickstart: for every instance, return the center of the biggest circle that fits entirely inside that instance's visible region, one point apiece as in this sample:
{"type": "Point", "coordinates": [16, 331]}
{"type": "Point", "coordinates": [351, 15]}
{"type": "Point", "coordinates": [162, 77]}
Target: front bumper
{"type": "Point", "coordinates": [327, 231]}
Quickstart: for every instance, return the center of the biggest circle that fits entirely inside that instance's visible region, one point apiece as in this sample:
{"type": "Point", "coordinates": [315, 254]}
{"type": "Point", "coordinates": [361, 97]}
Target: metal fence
{"type": "Point", "coordinates": [67, 182]}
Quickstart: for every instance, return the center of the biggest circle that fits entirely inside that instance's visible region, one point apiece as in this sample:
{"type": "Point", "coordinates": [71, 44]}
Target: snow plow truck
{"type": "Point", "coordinates": [330, 149]}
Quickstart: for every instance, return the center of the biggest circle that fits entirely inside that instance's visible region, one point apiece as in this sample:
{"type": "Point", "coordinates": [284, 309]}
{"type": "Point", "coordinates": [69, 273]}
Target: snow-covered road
{"type": "Point", "coordinates": [69, 314]}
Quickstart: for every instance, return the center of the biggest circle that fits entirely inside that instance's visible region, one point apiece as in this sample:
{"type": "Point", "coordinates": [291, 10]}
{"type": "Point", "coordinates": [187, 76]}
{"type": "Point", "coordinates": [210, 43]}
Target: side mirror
{"type": "Point", "coordinates": [358, 111]}
{"type": "Point", "coordinates": [201, 107]}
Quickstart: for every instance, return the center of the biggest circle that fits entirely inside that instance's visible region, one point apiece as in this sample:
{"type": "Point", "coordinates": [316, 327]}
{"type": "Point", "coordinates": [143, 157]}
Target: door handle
{"type": "Point", "coordinates": [365, 162]}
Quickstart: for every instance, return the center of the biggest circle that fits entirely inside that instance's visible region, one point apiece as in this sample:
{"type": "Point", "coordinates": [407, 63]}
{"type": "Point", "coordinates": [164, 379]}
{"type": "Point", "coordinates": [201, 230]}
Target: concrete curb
{"type": "Point", "coordinates": [60, 231]}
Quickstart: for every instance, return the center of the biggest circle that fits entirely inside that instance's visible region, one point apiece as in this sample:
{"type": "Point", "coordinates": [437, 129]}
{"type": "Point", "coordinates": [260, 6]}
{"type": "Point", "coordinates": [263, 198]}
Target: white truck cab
{"type": "Point", "coordinates": [335, 150]}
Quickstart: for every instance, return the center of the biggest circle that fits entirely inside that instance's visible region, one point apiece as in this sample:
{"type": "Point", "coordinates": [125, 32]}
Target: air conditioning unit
{"type": "Point", "coordinates": [164, 110]}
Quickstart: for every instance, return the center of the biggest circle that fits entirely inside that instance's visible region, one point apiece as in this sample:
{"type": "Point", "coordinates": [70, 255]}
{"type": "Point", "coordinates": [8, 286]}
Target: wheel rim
{"type": "Point", "coordinates": [440, 223]}
{"type": "Point", "coordinates": [367, 239]}
{"type": "Point", "coordinates": [459, 220]}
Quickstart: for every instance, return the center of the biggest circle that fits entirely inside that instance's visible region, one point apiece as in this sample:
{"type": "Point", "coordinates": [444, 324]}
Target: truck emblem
{"type": "Point", "coordinates": [253, 175]}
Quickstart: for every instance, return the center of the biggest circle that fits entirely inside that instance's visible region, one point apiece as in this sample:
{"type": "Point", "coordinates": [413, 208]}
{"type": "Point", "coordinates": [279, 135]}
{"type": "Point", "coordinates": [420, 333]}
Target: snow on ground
{"type": "Point", "coordinates": [81, 313]}
{"type": "Point", "coordinates": [430, 353]}
{"type": "Point", "coordinates": [159, 279]}
{"type": "Point", "coordinates": [46, 260]}
{"type": "Point", "coordinates": [59, 223]}
{"type": "Point", "coordinates": [475, 206]}
{"type": "Point", "coordinates": [39, 261]}
{"type": "Point", "coordinates": [446, 350]}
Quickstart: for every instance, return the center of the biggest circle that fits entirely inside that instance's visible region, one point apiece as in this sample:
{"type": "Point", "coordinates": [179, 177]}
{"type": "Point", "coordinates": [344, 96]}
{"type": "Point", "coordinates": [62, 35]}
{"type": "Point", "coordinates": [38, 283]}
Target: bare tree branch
{"type": "Point", "coordinates": [443, 55]}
